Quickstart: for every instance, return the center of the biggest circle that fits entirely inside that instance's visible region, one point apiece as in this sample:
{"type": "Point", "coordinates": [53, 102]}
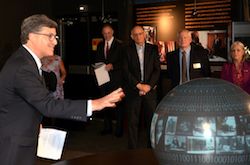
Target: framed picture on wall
{"type": "Point", "coordinates": [95, 42]}
{"type": "Point", "coordinates": [150, 34]}
{"type": "Point", "coordinates": [163, 48]}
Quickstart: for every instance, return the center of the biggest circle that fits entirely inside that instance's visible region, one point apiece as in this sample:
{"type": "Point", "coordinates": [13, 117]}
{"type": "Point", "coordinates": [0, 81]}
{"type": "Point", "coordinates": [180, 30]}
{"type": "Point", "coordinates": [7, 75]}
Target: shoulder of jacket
{"type": "Point", "coordinates": [118, 41]}
{"type": "Point", "coordinates": [149, 44]}
{"type": "Point", "coordinates": [101, 43]}
{"type": "Point", "coordinates": [173, 52]}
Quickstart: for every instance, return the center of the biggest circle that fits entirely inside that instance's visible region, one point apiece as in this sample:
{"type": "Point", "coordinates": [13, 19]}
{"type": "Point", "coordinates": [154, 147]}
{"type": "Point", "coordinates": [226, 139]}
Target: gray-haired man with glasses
{"type": "Point", "coordinates": [25, 99]}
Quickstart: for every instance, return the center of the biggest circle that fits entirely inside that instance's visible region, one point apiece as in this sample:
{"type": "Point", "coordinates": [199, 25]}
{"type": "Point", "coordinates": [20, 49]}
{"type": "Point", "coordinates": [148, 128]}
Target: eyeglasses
{"type": "Point", "coordinates": [138, 34]}
{"type": "Point", "coordinates": [50, 36]}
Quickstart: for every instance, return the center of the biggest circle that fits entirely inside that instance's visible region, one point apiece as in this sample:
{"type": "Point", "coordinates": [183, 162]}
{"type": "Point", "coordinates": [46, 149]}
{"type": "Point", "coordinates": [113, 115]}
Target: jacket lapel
{"type": "Point", "coordinates": [177, 58]}
{"type": "Point", "coordinates": [191, 59]}
{"type": "Point", "coordinates": [33, 63]}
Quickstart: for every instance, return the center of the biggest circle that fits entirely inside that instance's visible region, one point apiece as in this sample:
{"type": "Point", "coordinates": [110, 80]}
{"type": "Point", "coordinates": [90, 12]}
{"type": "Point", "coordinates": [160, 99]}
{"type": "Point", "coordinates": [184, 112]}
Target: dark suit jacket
{"type": "Point", "coordinates": [132, 72]}
{"type": "Point", "coordinates": [24, 100]}
{"type": "Point", "coordinates": [196, 56]}
{"type": "Point", "coordinates": [115, 58]}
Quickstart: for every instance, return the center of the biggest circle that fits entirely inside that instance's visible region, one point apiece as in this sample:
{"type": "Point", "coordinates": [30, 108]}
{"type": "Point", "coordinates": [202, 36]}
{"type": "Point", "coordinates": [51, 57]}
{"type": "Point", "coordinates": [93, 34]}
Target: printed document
{"type": "Point", "coordinates": [50, 143]}
{"type": "Point", "coordinates": [102, 75]}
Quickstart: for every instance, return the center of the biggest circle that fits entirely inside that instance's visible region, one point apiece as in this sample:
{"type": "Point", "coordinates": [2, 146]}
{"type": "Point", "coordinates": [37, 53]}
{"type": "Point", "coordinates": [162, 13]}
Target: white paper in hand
{"type": "Point", "coordinates": [50, 143]}
{"type": "Point", "coordinates": [102, 75]}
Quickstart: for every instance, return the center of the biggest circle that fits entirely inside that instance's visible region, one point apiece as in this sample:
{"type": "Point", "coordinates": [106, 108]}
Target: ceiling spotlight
{"type": "Point", "coordinates": [83, 8]}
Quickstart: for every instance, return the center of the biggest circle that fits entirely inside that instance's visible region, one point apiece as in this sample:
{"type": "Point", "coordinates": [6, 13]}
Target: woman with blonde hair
{"type": "Point", "coordinates": [237, 71]}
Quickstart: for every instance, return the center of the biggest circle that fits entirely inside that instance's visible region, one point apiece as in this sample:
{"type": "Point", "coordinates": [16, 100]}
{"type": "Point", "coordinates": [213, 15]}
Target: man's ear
{"type": "Point", "coordinates": [30, 35]}
{"type": "Point", "coordinates": [132, 37]}
{"type": "Point", "coordinates": [144, 34]}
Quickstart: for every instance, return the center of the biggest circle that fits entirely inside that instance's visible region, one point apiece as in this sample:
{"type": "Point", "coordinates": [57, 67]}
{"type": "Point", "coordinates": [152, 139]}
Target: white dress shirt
{"type": "Point", "coordinates": [140, 52]}
{"type": "Point", "coordinates": [39, 64]}
{"type": "Point", "coordinates": [109, 44]}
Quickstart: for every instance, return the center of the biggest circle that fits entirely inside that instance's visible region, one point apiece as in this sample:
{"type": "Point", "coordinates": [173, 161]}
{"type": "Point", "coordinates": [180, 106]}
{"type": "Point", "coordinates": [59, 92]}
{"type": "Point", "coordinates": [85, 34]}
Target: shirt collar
{"type": "Point", "coordinates": [110, 41]}
{"type": "Point", "coordinates": [37, 60]}
{"type": "Point", "coordinates": [187, 50]}
{"type": "Point", "coordinates": [138, 47]}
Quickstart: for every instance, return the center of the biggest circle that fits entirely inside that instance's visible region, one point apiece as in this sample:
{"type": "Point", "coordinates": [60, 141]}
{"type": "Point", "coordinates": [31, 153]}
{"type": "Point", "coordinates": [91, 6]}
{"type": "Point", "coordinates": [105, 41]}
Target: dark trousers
{"type": "Point", "coordinates": [119, 114]}
{"type": "Point", "coordinates": [112, 113]}
{"type": "Point", "coordinates": [135, 107]}
{"type": "Point", "coordinates": [107, 116]}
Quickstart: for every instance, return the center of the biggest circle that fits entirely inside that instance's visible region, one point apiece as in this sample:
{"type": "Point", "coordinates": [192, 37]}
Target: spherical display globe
{"type": "Point", "coordinates": [202, 122]}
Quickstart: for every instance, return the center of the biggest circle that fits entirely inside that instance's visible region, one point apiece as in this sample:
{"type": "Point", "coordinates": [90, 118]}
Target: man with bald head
{"type": "Point", "coordinates": [187, 62]}
{"type": "Point", "coordinates": [141, 73]}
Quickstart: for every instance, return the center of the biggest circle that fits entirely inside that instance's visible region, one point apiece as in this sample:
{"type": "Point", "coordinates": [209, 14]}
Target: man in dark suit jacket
{"type": "Point", "coordinates": [109, 52]}
{"type": "Point", "coordinates": [141, 73]}
{"type": "Point", "coordinates": [25, 99]}
{"type": "Point", "coordinates": [197, 62]}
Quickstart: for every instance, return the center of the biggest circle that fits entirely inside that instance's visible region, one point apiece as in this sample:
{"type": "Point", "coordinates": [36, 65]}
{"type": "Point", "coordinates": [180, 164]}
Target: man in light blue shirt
{"type": "Point", "coordinates": [197, 63]}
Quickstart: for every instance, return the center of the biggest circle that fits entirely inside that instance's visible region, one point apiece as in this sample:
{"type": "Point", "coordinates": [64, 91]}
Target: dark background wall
{"type": "Point", "coordinates": [12, 12]}
{"type": "Point", "coordinates": [123, 9]}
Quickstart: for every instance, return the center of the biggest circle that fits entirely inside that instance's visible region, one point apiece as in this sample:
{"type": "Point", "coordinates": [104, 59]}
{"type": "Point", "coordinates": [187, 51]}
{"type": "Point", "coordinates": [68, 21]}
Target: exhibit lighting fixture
{"type": "Point", "coordinates": [105, 19]}
{"type": "Point", "coordinates": [165, 26]}
{"type": "Point", "coordinates": [83, 8]}
{"type": "Point", "coordinates": [195, 14]}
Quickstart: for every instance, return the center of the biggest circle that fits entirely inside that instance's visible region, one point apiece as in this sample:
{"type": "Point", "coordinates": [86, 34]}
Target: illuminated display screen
{"type": "Point", "coordinates": [202, 135]}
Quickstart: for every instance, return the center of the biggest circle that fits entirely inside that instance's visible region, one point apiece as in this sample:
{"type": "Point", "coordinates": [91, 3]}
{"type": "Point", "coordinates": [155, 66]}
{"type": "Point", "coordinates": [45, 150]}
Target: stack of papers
{"type": "Point", "coordinates": [102, 75]}
{"type": "Point", "coordinates": [50, 143]}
